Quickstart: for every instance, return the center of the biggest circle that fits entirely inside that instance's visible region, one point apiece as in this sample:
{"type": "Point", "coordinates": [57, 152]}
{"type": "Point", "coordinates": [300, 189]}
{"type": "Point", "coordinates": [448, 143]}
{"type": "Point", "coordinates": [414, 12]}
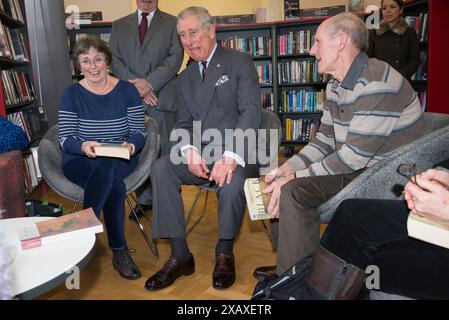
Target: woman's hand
{"type": "Point", "coordinates": [88, 148]}
{"type": "Point", "coordinates": [131, 147]}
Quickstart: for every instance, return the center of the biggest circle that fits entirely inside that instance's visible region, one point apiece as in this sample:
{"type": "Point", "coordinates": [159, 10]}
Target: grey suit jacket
{"type": "Point", "coordinates": [158, 60]}
{"type": "Point", "coordinates": [229, 98]}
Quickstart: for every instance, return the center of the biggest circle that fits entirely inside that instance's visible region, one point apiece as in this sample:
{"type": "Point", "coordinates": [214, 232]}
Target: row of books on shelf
{"type": "Point", "coordinates": [301, 101]}
{"type": "Point", "coordinates": [17, 87]}
{"type": "Point", "coordinates": [298, 42]}
{"type": "Point", "coordinates": [421, 73]}
{"type": "Point", "coordinates": [12, 8]}
{"type": "Point", "coordinates": [299, 71]}
{"type": "Point", "coordinates": [12, 44]}
{"type": "Point", "coordinates": [32, 120]}
{"type": "Point", "coordinates": [32, 173]}
{"type": "Point", "coordinates": [299, 130]}
{"type": "Point", "coordinates": [265, 73]}
{"type": "Point", "coordinates": [267, 101]}
{"type": "Point", "coordinates": [255, 46]}
{"type": "Point", "coordinates": [420, 24]}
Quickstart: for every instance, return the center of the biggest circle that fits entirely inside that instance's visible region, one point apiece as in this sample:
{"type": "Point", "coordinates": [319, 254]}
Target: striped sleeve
{"type": "Point", "coordinates": [321, 146]}
{"type": "Point", "coordinates": [68, 120]}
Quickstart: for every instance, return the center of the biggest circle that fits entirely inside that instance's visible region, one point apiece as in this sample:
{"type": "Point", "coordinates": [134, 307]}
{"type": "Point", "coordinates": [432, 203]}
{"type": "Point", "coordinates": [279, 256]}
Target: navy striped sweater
{"type": "Point", "coordinates": [111, 118]}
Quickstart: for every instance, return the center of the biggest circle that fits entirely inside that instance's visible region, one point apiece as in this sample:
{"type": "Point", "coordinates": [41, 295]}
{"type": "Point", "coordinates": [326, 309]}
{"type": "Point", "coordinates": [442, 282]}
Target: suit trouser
{"type": "Point", "coordinates": [168, 208]}
{"type": "Point", "coordinates": [102, 181]}
{"type": "Point", "coordinates": [299, 222]}
{"type": "Point", "coordinates": [374, 232]}
{"type": "Point", "coordinates": [165, 121]}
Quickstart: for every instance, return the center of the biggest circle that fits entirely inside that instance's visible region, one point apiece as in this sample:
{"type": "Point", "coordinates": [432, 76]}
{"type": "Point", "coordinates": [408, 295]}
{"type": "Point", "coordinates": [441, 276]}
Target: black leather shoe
{"type": "Point", "coordinates": [224, 272]}
{"type": "Point", "coordinates": [139, 212]}
{"type": "Point", "coordinates": [124, 264]}
{"type": "Point", "coordinates": [171, 271]}
{"type": "Point", "coordinates": [267, 272]}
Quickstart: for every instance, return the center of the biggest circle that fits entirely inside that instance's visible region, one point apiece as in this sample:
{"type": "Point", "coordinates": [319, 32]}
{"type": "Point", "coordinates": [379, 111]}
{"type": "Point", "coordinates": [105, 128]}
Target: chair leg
{"type": "Point", "coordinates": [145, 235]}
{"type": "Point", "coordinates": [189, 215]}
{"type": "Point", "coordinates": [267, 232]}
{"type": "Point", "coordinates": [138, 205]}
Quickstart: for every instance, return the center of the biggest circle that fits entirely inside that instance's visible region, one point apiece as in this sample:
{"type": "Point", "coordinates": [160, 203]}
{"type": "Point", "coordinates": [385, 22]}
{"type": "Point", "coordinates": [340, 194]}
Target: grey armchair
{"type": "Point", "coordinates": [50, 155]}
{"type": "Point", "coordinates": [381, 181]}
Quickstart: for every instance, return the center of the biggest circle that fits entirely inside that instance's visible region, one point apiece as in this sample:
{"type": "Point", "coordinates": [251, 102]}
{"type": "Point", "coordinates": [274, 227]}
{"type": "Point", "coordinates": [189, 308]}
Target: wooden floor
{"type": "Point", "coordinates": [100, 281]}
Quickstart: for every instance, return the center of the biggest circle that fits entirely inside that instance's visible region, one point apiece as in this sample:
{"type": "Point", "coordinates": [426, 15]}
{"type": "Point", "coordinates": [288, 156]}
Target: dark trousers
{"type": "Point", "coordinates": [374, 232]}
{"type": "Point", "coordinates": [299, 222]}
{"type": "Point", "coordinates": [168, 210]}
{"type": "Point", "coordinates": [102, 181]}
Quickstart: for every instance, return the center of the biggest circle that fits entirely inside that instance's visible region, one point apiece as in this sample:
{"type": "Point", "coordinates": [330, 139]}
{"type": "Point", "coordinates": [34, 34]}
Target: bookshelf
{"type": "Point", "coordinates": [17, 95]}
{"type": "Point", "coordinates": [288, 78]}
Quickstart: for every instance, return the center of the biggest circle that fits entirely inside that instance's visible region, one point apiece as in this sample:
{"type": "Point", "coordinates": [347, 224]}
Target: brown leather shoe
{"type": "Point", "coordinates": [267, 273]}
{"type": "Point", "coordinates": [224, 272]}
{"type": "Point", "coordinates": [171, 271]}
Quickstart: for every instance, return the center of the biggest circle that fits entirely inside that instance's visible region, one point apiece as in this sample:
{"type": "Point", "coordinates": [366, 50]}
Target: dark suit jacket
{"type": "Point", "coordinates": [158, 60]}
{"type": "Point", "coordinates": [229, 98]}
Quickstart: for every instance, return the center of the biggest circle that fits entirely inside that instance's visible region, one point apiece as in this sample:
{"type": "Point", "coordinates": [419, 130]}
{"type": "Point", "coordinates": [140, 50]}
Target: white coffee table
{"type": "Point", "coordinates": [38, 270]}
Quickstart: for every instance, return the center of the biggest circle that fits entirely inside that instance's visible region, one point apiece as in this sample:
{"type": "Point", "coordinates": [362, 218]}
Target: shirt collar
{"type": "Point", "coordinates": [150, 14]}
{"type": "Point", "coordinates": [210, 56]}
{"type": "Point", "coordinates": [355, 71]}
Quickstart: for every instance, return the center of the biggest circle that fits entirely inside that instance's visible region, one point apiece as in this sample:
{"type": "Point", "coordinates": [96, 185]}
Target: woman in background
{"type": "Point", "coordinates": [101, 109]}
{"type": "Point", "coordinates": [395, 42]}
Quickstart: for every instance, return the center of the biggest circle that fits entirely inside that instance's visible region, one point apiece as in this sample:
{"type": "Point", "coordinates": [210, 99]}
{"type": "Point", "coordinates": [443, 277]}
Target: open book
{"type": "Point", "coordinates": [425, 229]}
{"type": "Point", "coordinates": [257, 201]}
{"type": "Point", "coordinates": [112, 150]}
{"type": "Point", "coordinates": [67, 227]}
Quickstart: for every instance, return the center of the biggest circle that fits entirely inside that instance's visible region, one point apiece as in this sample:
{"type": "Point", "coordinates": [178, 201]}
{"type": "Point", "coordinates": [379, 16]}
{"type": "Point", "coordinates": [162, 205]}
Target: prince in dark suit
{"type": "Point", "coordinates": [147, 52]}
{"type": "Point", "coordinates": [220, 92]}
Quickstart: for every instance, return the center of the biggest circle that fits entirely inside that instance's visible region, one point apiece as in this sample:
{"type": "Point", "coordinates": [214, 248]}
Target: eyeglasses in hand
{"type": "Point", "coordinates": [409, 170]}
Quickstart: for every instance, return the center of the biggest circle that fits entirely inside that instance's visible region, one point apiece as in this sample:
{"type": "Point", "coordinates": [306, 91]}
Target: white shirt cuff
{"type": "Point", "coordinates": [189, 146]}
{"type": "Point", "coordinates": [234, 156]}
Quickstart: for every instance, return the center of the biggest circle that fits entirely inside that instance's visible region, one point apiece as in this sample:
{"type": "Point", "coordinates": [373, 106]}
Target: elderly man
{"type": "Point", "coordinates": [370, 110]}
{"type": "Point", "coordinates": [220, 90]}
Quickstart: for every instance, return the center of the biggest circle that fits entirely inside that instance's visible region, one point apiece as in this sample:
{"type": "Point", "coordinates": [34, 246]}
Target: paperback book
{"type": "Point", "coordinates": [63, 228]}
{"type": "Point", "coordinates": [112, 150]}
{"type": "Point", "coordinates": [257, 201]}
{"type": "Point", "coordinates": [425, 229]}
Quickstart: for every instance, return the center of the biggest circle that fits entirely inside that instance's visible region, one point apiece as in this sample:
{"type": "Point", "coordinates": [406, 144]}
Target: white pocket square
{"type": "Point", "coordinates": [222, 80]}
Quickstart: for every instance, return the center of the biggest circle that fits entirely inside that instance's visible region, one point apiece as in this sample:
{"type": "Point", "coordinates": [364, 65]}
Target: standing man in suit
{"type": "Point", "coordinates": [147, 52]}
{"type": "Point", "coordinates": [220, 89]}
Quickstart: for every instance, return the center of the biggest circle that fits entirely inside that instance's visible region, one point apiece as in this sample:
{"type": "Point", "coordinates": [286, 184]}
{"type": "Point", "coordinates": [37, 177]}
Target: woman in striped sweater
{"type": "Point", "coordinates": [101, 109]}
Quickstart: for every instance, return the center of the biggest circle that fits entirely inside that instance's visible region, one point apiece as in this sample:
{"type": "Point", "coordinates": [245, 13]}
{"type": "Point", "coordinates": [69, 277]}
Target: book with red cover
{"type": "Point", "coordinates": [64, 228]}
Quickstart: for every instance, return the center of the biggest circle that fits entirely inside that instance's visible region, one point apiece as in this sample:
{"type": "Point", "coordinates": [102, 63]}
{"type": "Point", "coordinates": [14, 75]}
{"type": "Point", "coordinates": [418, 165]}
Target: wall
{"type": "Point", "coordinates": [112, 9]}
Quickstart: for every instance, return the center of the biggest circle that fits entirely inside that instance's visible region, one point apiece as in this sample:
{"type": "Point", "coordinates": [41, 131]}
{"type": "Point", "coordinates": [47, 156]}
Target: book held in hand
{"type": "Point", "coordinates": [256, 200]}
{"type": "Point", "coordinates": [112, 150]}
{"type": "Point", "coordinates": [426, 229]}
{"type": "Point", "coordinates": [66, 227]}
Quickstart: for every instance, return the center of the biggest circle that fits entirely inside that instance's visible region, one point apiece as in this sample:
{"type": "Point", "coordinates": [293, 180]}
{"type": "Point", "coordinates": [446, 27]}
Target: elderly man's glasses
{"type": "Point", "coordinates": [95, 61]}
{"type": "Point", "coordinates": [409, 170]}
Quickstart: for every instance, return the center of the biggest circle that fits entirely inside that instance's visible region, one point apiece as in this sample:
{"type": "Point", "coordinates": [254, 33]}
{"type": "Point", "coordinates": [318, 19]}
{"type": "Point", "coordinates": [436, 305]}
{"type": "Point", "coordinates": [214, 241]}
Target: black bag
{"type": "Point", "coordinates": [286, 287]}
{"type": "Point", "coordinates": [38, 208]}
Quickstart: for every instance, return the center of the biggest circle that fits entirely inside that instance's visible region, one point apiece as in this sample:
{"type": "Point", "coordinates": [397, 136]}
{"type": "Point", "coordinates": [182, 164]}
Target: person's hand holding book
{"type": "Point", "coordinates": [88, 148]}
{"type": "Point", "coordinates": [276, 179]}
{"type": "Point", "coordinates": [430, 195]}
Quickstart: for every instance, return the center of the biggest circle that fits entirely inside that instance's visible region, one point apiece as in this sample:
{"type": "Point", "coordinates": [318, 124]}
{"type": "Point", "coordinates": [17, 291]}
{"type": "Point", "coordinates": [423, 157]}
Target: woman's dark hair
{"type": "Point", "coordinates": [83, 46]}
{"type": "Point", "coordinates": [400, 3]}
